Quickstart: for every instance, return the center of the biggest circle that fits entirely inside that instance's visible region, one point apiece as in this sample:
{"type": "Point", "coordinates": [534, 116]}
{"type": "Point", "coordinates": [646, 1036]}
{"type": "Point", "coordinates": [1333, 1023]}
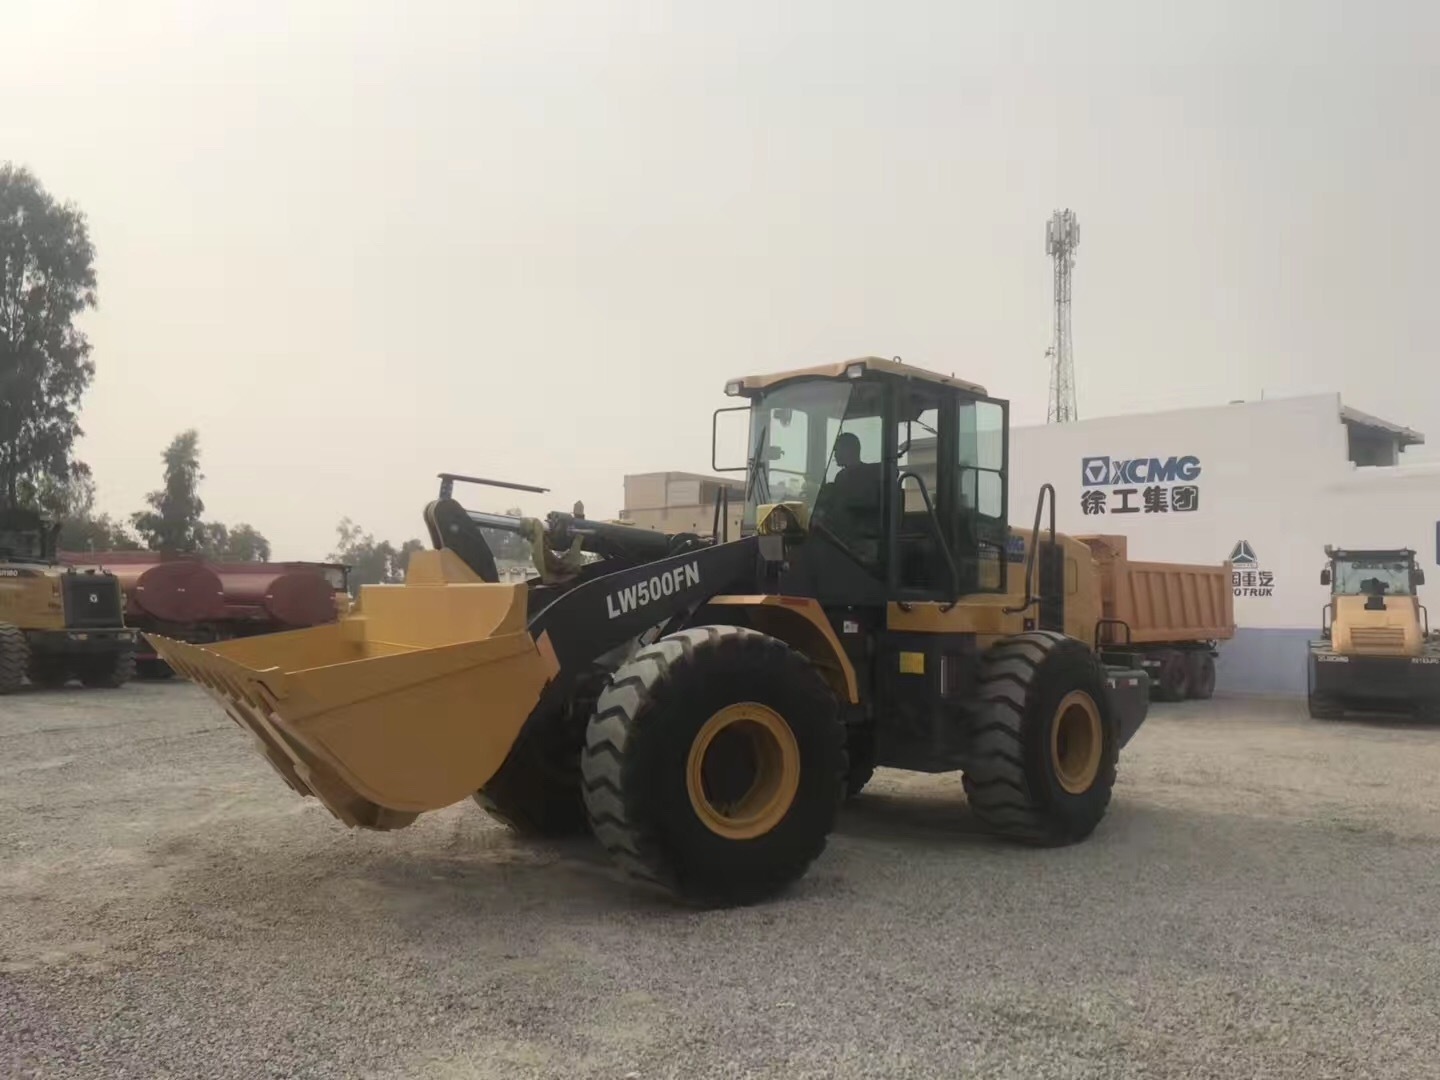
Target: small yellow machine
{"type": "Point", "coordinates": [1376, 652]}
{"type": "Point", "coordinates": [56, 622]}
{"type": "Point", "coordinates": [703, 705]}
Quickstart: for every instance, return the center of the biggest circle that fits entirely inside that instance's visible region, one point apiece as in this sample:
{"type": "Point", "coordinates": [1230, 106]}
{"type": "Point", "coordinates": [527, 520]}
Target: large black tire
{"type": "Point", "coordinates": [49, 670]}
{"type": "Point", "coordinates": [1046, 742]}
{"type": "Point", "coordinates": [107, 671]}
{"type": "Point", "coordinates": [1202, 675]}
{"type": "Point", "coordinates": [860, 750]}
{"type": "Point", "coordinates": [536, 792]}
{"type": "Point", "coordinates": [1172, 683]}
{"type": "Point", "coordinates": [1325, 708]}
{"type": "Point", "coordinates": [663, 807]}
{"type": "Point", "coordinates": [14, 658]}
{"type": "Point", "coordinates": [153, 670]}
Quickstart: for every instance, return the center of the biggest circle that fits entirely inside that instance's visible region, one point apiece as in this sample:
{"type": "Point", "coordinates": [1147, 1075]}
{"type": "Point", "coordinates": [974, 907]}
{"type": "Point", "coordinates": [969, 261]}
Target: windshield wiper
{"type": "Point", "coordinates": [757, 477]}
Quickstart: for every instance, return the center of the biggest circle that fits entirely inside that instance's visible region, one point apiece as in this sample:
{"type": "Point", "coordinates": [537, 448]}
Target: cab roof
{"type": "Point", "coordinates": [1370, 553]}
{"type": "Point", "coordinates": [753, 384]}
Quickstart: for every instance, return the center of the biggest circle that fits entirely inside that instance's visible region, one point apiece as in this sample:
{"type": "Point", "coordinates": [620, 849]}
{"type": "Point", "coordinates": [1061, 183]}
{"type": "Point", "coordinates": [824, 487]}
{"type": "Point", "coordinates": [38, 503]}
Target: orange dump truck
{"type": "Point", "coordinates": [1167, 618]}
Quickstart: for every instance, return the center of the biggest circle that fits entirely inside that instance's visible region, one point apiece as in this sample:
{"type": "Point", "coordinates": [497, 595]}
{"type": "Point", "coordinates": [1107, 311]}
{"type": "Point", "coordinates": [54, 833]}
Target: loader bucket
{"type": "Point", "coordinates": [407, 704]}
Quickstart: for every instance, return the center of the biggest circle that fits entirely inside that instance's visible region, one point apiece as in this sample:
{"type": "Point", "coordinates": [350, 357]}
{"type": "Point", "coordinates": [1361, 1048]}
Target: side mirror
{"type": "Point", "coordinates": [1325, 576]}
{"type": "Point", "coordinates": [1418, 576]}
{"type": "Point", "coordinates": [729, 435]}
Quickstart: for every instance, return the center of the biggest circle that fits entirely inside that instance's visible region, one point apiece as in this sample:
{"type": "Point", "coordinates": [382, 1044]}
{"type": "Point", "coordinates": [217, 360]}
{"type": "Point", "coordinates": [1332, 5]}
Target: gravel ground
{"type": "Point", "coordinates": [1260, 902]}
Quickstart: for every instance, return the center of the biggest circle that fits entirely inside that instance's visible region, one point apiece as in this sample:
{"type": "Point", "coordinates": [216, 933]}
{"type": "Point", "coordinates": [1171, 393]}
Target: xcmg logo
{"type": "Point", "coordinates": [1110, 471]}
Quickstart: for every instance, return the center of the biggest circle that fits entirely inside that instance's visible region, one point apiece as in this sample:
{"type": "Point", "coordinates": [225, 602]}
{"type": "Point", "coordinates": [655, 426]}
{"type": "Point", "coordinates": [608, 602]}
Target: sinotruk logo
{"type": "Point", "coordinates": [1106, 471]}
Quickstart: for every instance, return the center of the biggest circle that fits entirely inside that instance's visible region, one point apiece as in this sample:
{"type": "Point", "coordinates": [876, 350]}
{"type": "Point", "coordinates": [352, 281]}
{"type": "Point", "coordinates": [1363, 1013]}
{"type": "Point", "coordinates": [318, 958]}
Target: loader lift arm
{"type": "Point", "coordinates": [644, 579]}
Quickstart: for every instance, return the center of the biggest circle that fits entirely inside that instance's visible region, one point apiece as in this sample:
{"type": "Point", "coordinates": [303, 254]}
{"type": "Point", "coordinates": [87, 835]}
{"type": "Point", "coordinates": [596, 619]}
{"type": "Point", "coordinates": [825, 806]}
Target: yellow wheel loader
{"type": "Point", "coordinates": [56, 623]}
{"type": "Point", "coordinates": [1376, 652]}
{"type": "Point", "coordinates": [702, 705]}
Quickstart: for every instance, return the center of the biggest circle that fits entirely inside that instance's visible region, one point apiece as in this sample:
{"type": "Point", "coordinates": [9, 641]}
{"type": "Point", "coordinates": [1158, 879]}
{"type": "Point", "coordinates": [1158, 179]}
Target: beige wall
{"type": "Point", "coordinates": [675, 502]}
{"type": "Point", "coordinates": [677, 519]}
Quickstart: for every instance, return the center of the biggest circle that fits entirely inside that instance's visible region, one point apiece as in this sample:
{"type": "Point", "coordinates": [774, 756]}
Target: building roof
{"type": "Point", "coordinates": [752, 383]}
{"type": "Point", "coordinates": [671, 474]}
{"type": "Point", "coordinates": [1403, 436]}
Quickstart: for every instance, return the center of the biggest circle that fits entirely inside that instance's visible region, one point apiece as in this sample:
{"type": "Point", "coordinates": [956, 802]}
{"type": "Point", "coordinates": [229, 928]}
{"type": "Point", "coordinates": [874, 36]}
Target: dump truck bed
{"type": "Point", "coordinates": [1161, 603]}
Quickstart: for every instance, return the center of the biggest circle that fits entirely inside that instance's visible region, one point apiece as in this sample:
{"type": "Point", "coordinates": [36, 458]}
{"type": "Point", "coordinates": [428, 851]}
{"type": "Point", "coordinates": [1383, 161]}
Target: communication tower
{"type": "Point", "coordinates": [1062, 237]}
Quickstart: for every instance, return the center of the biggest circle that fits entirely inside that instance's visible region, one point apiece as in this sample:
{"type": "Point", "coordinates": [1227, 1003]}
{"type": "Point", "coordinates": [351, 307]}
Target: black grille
{"type": "Point", "coordinates": [91, 601]}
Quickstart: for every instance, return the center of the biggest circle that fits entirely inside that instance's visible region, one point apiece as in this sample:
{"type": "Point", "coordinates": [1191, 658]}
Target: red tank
{"type": "Point", "coordinates": [171, 590]}
{"type": "Point", "coordinates": [293, 595]}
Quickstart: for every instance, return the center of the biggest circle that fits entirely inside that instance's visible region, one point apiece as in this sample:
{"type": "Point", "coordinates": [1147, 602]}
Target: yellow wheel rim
{"type": "Point", "coordinates": [1076, 741]}
{"type": "Point", "coordinates": [743, 771]}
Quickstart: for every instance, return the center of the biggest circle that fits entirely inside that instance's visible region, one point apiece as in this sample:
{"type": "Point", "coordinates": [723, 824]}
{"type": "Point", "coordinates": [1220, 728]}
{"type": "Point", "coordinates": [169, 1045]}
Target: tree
{"type": "Point", "coordinates": [173, 521]}
{"type": "Point", "coordinates": [371, 562]}
{"type": "Point", "coordinates": [402, 557]}
{"type": "Point", "coordinates": [508, 546]}
{"type": "Point", "coordinates": [72, 504]}
{"type": "Point", "coordinates": [47, 279]}
{"type": "Point", "coordinates": [102, 533]}
{"type": "Point", "coordinates": [242, 543]}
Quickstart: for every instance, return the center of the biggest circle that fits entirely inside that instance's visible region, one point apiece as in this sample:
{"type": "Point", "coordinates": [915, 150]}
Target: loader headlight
{"type": "Point", "coordinates": [779, 519]}
{"type": "Point", "coordinates": [855, 370]}
{"type": "Point", "coordinates": [733, 388]}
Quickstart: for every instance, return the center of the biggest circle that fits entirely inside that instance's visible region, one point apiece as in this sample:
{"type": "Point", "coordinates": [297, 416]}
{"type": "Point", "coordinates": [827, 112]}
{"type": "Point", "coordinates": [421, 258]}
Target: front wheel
{"type": "Point", "coordinates": [715, 765]}
{"type": "Point", "coordinates": [14, 658]}
{"type": "Point", "coordinates": [107, 671]}
{"type": "Point", "coordinates": [1046, 740]}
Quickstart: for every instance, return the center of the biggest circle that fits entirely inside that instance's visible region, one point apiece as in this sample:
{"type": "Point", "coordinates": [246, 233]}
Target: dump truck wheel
{"type": "Point", "coordinates": [107, 671]}
{"type": "Point", "coordinates": [1046, 740]}
{"type": "Point", "coordinates": [1202, 676]}
{"type": "Point", "coordinates": [14, 658]}
{"type": "Point", "coordinates": [715, 765]}
{"type": "Point", "coordinates": [1325, 708]}
{"type": "Point", "coordinates": [536, 792]}
{"type": "Point", "coordinates": [1173, 681]}
{"type": "Point", "coordinates": [50, 672]}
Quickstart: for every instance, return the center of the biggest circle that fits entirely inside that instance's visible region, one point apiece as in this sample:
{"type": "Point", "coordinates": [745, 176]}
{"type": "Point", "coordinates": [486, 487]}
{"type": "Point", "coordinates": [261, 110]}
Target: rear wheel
{"type": "Point", "coordinates": [1046, 742]}
{"type": "Point", "coordinates": [14, 658]}
{"type": "Point", "coordinates": [1323, 707]}
{"type": "Point", "coordinates": [1202, 675]}
{"type": "Point", "coordinates": [715, 765]}
{"type": "Point", "coordinates": [48, 671]}
{"type": "Point", "coordinates": [1173, 681]}
{"type": "Point", "coordinates": [107, 671]}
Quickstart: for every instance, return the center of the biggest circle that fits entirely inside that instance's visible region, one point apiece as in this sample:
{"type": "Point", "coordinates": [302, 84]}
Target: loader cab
{"type": "Point", "coordinates": [895, 477]}
{"type": "Point", "coordinates": [26, 537]}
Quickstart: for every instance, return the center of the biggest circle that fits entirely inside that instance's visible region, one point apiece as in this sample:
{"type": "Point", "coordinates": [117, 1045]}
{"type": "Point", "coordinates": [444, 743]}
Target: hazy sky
{"type": "Point", "coordinates": [357, 243]}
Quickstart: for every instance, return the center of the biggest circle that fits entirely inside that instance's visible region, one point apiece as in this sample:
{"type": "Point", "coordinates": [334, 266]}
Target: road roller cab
{"type": "Point", "coordinates": [704, 704]}
{"type": "Point", "coordinates": [1376, 651]}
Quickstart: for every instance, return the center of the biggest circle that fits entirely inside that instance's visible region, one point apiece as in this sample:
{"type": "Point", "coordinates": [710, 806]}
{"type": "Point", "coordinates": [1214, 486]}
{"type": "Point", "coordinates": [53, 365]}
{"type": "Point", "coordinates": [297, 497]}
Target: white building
{"type": "Point", "coordinates": [1266, 483]}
